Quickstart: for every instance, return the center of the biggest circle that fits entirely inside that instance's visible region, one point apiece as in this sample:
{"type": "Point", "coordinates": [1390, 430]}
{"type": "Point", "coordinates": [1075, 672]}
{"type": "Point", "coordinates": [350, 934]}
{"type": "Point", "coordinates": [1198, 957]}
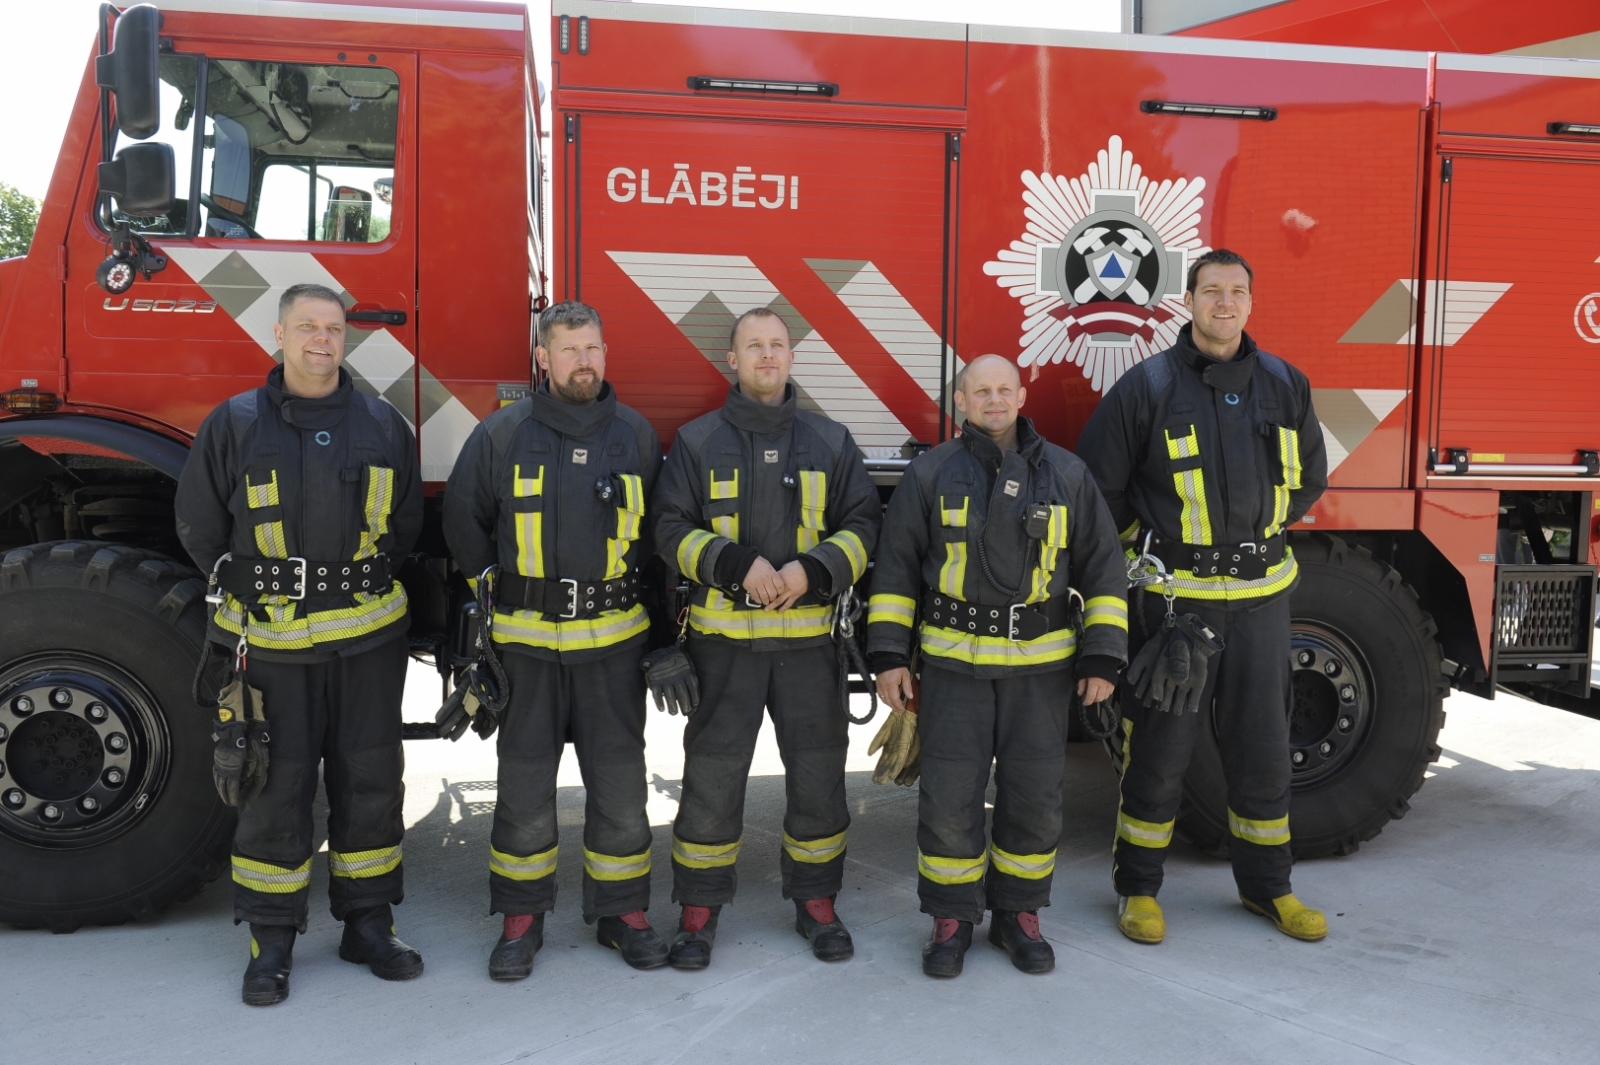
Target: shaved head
{"type": "Point", "coordinates": [983, 365]}
{"type": "Point", "coordinates": [990, 393]}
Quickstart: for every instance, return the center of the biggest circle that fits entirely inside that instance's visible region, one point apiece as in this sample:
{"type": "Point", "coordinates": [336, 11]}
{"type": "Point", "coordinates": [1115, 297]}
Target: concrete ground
{"type": "Point", "coordinates": [1465, 933]}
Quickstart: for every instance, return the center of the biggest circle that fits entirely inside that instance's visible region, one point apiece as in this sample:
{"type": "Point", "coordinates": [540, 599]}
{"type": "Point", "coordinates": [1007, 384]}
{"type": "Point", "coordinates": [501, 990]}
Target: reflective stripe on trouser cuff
{"type": "Point", "coordinates": [1026, 866]}
{"type": "Point", "coordinates": [1271, 833]}
{"type": "Point", "coordinates": [358, 865]}
{"type": "Point", "coordinates": [898, 609]}
{"type": "Point", "coordinates": [533, 867]}
{"type": "Point", "coordinates": [952, 870]}
{"type": "Point", "coordinates": [704, 855]}
{"type": "Point", "coordinates": [1144, 833]}
{"type": "Point", "coordinates": [615, 867]}
{"type": "Point", "coordinates": [1106, 610]}
{"type": "Point", "coordinates": [271, 879]}
{"type": "Point", "coordinates": [814, 851]}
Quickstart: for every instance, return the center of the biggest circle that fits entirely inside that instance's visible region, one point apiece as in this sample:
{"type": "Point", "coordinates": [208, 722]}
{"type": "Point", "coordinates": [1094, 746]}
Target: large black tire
{"type": "Point", "coordinates": [127, 626]}
{"type": "Point", "coordinates": [1351, 614]}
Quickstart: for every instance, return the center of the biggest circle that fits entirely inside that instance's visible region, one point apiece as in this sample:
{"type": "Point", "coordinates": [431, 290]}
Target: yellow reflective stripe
{"type": "Point", "coordinates": [798, 622]}
{"type": "Point", "coordinates": [690, 548]}
{"type": "Point", "coordinates": [953, 573]}
{"type": "Point", "coordinates": [270, 540]}
{"type": "Point", "coordinates": [285, 632]}
{"type": "Point", "coordinates": [727, 524]}
{"type": "Point", "coordinates": [271, 879]}
{"type": "Point", "coordinates": [951, 870]}
{"type": "Point", "coordinates": [1143, 833]}
{"type": "Point", "coordinates": [1043, 573]}
{"type": "Point", "coordinates": [896, 609]}
{"type": "Point", "coordinates": [997, 650]}
{"type": "Point", "coordinates": [261, 495]}
{"type": "Point", "coordinates": [529, 628]}
{"type": "Point", "coordinates": [533, 867]}
{"type": "Point", "coordinates": [951, 517]}
{"type": "Point", "coordinates": [1191, 488]}
{"type": "Point", "coordinates": [1273, 833]}
{"type": "Point", "coordinates": [1278, 578]}
{"type": "Point", "coordinates": [1130, 535]}
{"type": "Point", "coordinates": [379, 504]}
{"type": "Point", "coordinates": [1289, 460]}
{"type": "Point", "coordinates": [359, 865]}
{"type": "Point", "coordinates": [813, 509]}
{"type": "Point", "coordinates": [725, 489]}
{"type": "Point", "coordinates": [854, 550]}
{"type": "Point", "coordinates": [630, 519]}
{"type": "Point", "coordinates": [1026, 866]}
{"type": "Point", "coordinates": [615, 867]}
{"type": "Point", "coordinates": [530, 524]}
{"type": "Point", "coordinates": [814, 851]}
{"type": "Point", "coordinates": [632, 492]}
{"type": "Point", "coordinates": [1106, 610]}
{"type": "Point", "coordinates": [704, 855]}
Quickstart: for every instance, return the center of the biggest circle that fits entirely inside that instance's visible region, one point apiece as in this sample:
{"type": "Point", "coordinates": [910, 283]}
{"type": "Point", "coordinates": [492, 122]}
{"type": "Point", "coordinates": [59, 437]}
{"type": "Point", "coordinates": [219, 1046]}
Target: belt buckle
{"type": "Point", "coordinates": [303, 569]}
{"type": "Point", "coordinates": [1253, 547]}
{"type": "Point", "coordinates": [1011, 623]}
{"type": "Point", "coordinates": [572, 590]}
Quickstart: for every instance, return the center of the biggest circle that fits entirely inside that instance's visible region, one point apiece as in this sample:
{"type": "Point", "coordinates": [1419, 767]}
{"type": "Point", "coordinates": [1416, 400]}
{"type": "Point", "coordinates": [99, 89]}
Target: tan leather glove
{"type": "Point", "coordinates": [901, 761]}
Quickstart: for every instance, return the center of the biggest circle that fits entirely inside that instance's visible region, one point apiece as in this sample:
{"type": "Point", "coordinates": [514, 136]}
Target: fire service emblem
{"type": "Point", "coordinates": [1100, 269]}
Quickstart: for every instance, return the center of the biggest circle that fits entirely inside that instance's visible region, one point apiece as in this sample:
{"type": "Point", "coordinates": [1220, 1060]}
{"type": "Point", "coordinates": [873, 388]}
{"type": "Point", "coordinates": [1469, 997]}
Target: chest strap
{"type": "Point", "coordinates": [296, 578]}
{"type": "Point", "coordinates": [567, 598]}
{"type": "Point", "coordinates": [1246, 562]}
{"type": "Point", "coordinates": [1017, 622]}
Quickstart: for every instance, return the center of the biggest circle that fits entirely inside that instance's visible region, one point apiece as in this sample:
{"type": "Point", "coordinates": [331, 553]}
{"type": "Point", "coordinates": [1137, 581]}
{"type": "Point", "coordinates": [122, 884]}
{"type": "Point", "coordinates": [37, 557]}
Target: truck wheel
{"type": "Point", "coordinates": [107, 811]}
{"type": "Point", "coordinates": [1367, 706]}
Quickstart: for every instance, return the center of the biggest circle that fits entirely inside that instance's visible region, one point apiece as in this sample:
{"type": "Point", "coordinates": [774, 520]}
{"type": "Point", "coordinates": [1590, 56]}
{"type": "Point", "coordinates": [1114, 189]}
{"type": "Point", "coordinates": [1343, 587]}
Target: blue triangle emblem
{"type": "Point", "coordinates": [1112, 268]}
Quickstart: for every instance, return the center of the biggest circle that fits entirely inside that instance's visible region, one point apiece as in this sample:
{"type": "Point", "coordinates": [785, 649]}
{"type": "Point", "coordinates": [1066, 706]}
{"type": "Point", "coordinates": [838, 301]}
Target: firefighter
{"type": "Point", "coordinates": [301, 498]}
{"type": "Point", "coordinates": [552, 489]}
{"type": "Point", "coordinates": [768, 510]}
{"type": "Point", "coordinates": [994, 542]}
{"type": "Point", "coordinates": [1206, 453]}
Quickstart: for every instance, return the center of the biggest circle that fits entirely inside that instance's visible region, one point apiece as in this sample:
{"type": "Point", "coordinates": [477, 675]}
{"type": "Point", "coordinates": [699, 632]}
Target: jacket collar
{"type": "Point", "coordinates": [302, 413]}
{"type": "Point", "coordinates": [1030, 445]}
{"type": "Point", "coordinates": [742, 412]}
{"type": "Point", "coordinates": [574, 419]}
{"type": "Point", "coordinates": [1230, 376]}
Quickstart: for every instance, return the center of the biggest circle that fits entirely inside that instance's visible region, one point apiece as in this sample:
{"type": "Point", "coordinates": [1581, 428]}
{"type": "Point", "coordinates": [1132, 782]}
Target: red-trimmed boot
{"type": "Point", "coordinates": [697, 931]}
{"type": "Point", "coordinates": [521, 936]}
{"type": "Point", "coordinates": [631, 936]}
{"type": "Point", "coordinates": [815, 919]}
{"type": "Point", "coordinates": [946, 952]}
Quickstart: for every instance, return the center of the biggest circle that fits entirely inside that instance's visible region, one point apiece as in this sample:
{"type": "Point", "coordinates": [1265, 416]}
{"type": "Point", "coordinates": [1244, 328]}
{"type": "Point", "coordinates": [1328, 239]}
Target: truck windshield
{"type": "Point", "coordinates": [292, 151]}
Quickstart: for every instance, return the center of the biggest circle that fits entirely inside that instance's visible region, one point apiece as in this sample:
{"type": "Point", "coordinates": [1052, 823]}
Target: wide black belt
{"type": "Point", "coordinates": [567, 598]}
{"type": "Point", "coordinates": [1017, 621]}
{"type": "Point", "coordinates": [297, 578]}
{"type": "Point", "coordinates": [1246, 562]}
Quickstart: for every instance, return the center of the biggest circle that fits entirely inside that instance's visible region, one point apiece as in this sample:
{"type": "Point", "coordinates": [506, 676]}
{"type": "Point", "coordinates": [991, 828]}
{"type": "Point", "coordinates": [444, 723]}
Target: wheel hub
{"type": "Point", "coordinates": [1331, 702]}
{"type": "Point", "coordinates": [80, 750]}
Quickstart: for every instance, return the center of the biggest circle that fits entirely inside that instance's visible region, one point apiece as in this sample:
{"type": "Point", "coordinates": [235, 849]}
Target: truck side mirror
{"type": "Point", "coordinates": [142, 179]}
{"type": "Point", "coordinates": [131, 70]}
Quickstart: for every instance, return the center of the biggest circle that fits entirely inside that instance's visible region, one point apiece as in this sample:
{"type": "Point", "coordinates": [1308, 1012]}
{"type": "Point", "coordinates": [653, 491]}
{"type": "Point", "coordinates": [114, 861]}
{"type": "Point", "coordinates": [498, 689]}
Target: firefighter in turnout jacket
{"type": "Point", "coordinates": [301, 499]}
{"type": "Point", "coordinates": [552, 489]}
{"type": "Point", "coordinates": [1207, 452]}
{"type": "Point", "coordinates": [768, 510]}
{"type": "Point", "coordinates": [994, 544]}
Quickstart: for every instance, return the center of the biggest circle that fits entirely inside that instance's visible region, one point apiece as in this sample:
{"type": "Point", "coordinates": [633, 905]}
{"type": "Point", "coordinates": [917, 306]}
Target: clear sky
{"type": "Point", "coordinates": [46, 44]}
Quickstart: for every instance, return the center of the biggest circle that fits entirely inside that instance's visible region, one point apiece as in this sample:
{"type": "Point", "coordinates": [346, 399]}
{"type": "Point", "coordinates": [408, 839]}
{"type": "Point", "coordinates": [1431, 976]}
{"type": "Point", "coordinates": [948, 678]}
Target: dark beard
{"type": "Point", "coordinates": [573, 392]}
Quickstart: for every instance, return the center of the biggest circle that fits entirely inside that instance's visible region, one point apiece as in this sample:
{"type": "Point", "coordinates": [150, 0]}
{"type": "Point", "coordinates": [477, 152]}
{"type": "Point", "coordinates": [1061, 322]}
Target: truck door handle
{"type": "Point", "coordinates": [376, 317]}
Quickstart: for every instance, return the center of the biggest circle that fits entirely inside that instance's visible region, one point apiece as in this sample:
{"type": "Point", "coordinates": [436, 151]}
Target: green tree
{"type": "Point", "coordinates": [19, 213]}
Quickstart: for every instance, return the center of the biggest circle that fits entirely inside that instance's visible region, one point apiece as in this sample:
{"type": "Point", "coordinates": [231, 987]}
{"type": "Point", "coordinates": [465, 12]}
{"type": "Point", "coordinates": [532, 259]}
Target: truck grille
{"type": "Point", "coordinates": [1543, 615]}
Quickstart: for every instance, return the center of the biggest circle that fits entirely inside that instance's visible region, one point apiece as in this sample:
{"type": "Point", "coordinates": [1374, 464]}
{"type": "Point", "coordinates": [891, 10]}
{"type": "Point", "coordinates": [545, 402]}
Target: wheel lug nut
{"type": "Point", "coordinates": [1306, 658]}
{"type": "Point", "coordinates": [114, 777]}
{"type": "Point", "coordinates": [2, 769]}
{"type": "Point", "coordinates": [88, 804]}
{"type": "Point", "coordinates": [97, 712]}
{"type": "Point", "coordinates": [1298, 758]}
{"type": "Point", "coordinates": [1325, 748]}
{"type": "Point", "coordinates": [1344, 724]}
{"type": "Point", "coordinates": [61, 697]}
{"type": "Point", "coordinates": [117, 742]}
{"type": "Point", "coordinates": [22, 705]}
{"type": "Point", "coordinates": [1347, 692]}
{"type": "Point", "coordinates": [51, 812]}
{"type": "Point", "coordinates": [1331, 668]}
{"type": "Point", "coordinates": [15, 798]}
{"type": "Point", "coordinates": [4, 732]}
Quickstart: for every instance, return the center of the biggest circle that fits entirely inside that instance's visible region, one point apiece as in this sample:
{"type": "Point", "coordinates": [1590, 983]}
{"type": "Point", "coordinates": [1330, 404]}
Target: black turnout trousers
{"type": "Point", "coordinates": [1018, 725]}
{"type": "Point", "coordinates": [343, 712]}
{"type": "Point", "coordinates": [1249, 683]}
{"type": "Point", "coordinates": [599, 705]}
{"type": "Point", "coordinates": [799, 687]}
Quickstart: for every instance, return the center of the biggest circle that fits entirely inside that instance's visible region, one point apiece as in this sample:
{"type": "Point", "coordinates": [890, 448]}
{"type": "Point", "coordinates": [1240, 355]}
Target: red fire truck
{"type": "Point", "coordinates": [907, 195]}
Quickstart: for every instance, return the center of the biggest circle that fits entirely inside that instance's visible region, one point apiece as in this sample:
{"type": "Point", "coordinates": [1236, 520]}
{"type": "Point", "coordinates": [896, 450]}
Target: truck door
{"type": "Point", "coordinates": [304, 174]}
{"type": "Point", "coordinates": [682, 224]}
{"type": "Point", "coordinates": [1515, 326]}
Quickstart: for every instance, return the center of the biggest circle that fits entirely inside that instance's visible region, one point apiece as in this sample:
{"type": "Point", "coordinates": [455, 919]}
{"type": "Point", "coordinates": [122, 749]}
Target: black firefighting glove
{"type": "Point", "coordinates": [457, 712]}
{"type": "Point", "coordinates": [672, 680]}
{"type": "Point", "coordinates": [1169, 671]}
{"type": "Point", "coordinates": [1200, 641]}
{"type": "Point", "coordinates": [239, 763]}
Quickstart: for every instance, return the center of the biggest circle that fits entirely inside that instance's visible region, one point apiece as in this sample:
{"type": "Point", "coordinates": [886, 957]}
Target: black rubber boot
{"type": "Point", "coordinates": [520, 939]}
{"type": "Point", "coordinates": [369, 940]}
{"type": "Point", "coordinates": [266, 978]}
{"type": "Point", "coordinates": [946, 952]}
{"type": "Point", "coordinates": [1017, 933]}
{"type": "Point", "coordinates": [697, 931]}
{"type": "Point", "coordinates": [631, 936]}
{"type": "Point", "coordinates": [815, 919]}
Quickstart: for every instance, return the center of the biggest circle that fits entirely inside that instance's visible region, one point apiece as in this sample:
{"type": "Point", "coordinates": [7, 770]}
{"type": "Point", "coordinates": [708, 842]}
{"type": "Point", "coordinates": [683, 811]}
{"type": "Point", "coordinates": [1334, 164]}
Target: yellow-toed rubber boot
{"type": "Point", "coordinates": [1293, 917]}
{"type": "Point", "coordinates": [1139, 918]}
